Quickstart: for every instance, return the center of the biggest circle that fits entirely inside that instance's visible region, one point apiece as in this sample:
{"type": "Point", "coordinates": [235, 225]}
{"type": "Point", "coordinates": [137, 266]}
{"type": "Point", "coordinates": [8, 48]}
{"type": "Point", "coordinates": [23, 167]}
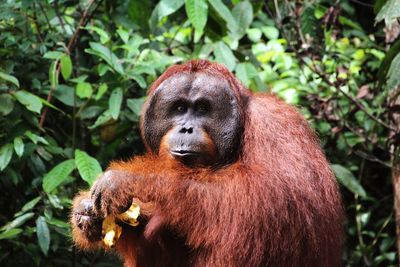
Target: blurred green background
{"type": "Point", "coordinates": [74, 74]}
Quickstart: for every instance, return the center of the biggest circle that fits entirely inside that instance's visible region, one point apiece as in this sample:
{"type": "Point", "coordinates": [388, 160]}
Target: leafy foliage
{"type": "Point", "coordinates": [73, 78]}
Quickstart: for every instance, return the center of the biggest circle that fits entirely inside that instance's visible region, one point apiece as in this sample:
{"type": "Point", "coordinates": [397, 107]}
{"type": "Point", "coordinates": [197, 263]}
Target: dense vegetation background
{"type": "Point", "coordinates": [73, 77]}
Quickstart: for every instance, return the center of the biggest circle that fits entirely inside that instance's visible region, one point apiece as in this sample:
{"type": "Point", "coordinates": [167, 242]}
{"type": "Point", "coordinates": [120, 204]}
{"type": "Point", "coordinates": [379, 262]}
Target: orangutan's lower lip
{"type": "Point", "coordinates": [183, 153]}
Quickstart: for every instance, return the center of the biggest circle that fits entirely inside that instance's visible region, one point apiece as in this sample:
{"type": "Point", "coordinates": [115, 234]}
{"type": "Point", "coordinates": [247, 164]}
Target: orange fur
{"type": "Point", "coordinates": [277, 205]}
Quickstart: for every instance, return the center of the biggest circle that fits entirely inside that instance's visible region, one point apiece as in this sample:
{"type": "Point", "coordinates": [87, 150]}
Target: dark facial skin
{"type": "Point", "coordinates": [196, 118]}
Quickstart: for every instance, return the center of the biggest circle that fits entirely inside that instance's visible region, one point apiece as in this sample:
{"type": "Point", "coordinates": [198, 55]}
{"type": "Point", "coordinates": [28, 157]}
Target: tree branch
{"type": "Point", "coordinates": [71, 44]}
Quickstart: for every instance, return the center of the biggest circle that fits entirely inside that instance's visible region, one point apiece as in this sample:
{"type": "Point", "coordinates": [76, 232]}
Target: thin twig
{"type": "Point", "coordinates": [45, 15]}
{"type": "Point", "coordinates": [56, 9]}
{"type": "Point", "coordinates": [83, 21]}
{"type": "Point", "coordinates": [34, 19]}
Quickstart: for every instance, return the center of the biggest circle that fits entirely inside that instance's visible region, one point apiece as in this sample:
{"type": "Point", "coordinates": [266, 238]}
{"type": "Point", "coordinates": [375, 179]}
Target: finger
{"type": "Point", "coordinates": [97, 199]}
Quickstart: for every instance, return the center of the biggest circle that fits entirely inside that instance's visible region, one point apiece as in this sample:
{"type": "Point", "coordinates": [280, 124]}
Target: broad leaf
{"type": "Point", "coordinates": [43, 234]}
{"type": "Point", "coordinates": [66, 95]}
{"type": "Point", "coordinates": [135, 104]}
{"type": "Point", "coordinates": [18, 221]}
{"type": "Point", "coordinates": [223, 54]}
{"type": "Point", "coordinates": [270, 32]}
{"type": "Point", "coordinates": [58, 175]}
{"type": "Point", "coordinates": [107, 55]}
{"type": "Point", "coordinates": [100, 92]}
{"type": "Point", "coordinates": [30, 101]}
{"type": "Point", "coordinates": [347, 179]}
{"type": "Point", "coordinates": [88, 167]}
{"type": "Point", "coordinates": [84, 90]}
{"type": "Point", "coordinates": [36, 138]}
{"type": "Point", "coordinates": [7, 104]}
{"type": "Point", "coordinates": [104, 37]}
{"type": "Point", "coordinates": [139, 12]}
{"type": "Point", "coordinates": [9, 78]}
{"type": "Point", "coordinates": [6, 152]}
{"type": "Point", "coordinates": [308, 22]}
{"type": "Point", "coordinates": [167, 7]}
{"type": "Point", "coordinates": [254, 34]}
{"type": "Point", "coordinates": [224, 12]}
{"type": "Point", "coordinates": [18, 146]}
{"type": "Point", "coordinates": [243, 14]}
{"type": "Point", "coordinates": [102, 119]}
{"type": "Point", "coordinates": [31, 204]}
{"type": "Point", "coordinates": [245, 72]}
{"type": "Point", "coordinates": [10, 233]}
{"type": "Point", "coordinates": [394, 73]}
{"type": "Point", "coordinates": [197, 13]}
{"type": "Point", "coordinates": [53, 55]}
{"type": "Point", "coordinates": [389, 12]}
{"type": "Point", "coordinates": [66, 66]}
{"type": "Point", "coordinates": [114, 103]}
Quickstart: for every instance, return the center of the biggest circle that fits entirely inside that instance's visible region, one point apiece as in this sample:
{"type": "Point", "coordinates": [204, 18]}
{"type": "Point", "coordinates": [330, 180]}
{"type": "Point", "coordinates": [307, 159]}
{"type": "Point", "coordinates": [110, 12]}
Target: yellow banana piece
{"type": "Point", "coordinates": [111, 231]}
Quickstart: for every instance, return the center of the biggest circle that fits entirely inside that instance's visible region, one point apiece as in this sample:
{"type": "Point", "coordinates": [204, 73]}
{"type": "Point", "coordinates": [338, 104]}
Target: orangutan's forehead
{"type": "Point", "coordinates": [194, 83]}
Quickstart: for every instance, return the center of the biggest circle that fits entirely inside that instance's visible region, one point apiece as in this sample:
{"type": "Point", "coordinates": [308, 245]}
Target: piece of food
{"type": "Point", "coordinates": [111, 231]}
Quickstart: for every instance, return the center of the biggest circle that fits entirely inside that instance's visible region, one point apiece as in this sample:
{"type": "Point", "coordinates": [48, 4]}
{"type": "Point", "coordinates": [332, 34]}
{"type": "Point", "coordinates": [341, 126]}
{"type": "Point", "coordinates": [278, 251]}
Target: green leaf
{"type": "Point", "coordinates": [122, 32]}
{"type": "Point", "coordinates": [308, 22]}
{"type": "Point", "coordinates": [18, 221]}
{"type": "Point", "coordinates": [31, 204]}
{"type": "Point", "coordinates": [84, 90]}
{"type": "Point", "coordinates": [43, 234]}
{"type": "Point", "coordinates": [386, 62]}
{"type": "Point", "coordinates": [88, 167]}
{"type": "Point", "coordinates": [6, 152]}
{"type": "Point", "coordinates": [167, 7]}
{"type": "Point", "coordinates": [254, 34]}
{"type": "Point", "coordinates": [245, 72]}
{"type": "Point", "coordinates": [197, 13]}
{"type": "Point", "coordinates": [65, 94]}
{"type": "Point", "coordinates": [102, 119]}
{"type": "Point", "coordinates": [30, 101]}
{"type": "Point", "coordinates": [58, 175]}
{"type": "Point", "coordinates": [223, 54]}
{"type": "Point", "coordinates": [7, 104]}
{"type": "Point", "coordinates": [28, 206]}
{"type": "Point", "coordinates": [270, 32]}
{"type": "Point", "coordinates": [319, 12]}
{"type": "Point", "coordinates": [58, 223]}
{"type": "Point", "coordinates": [114, 103]}
{"type": "Point", "coordinates": [35, 138]}
{"type": "Point", "coordinates": [243, 14]}
{"type": "Point", "coordinates": [9, 78]}
{"type": "Point", "coordinates": [347, 179]}
{"type": "Point", "coordinates": [66, 66]}
{"type": "Point", "coordinates": [224, 12]}
{"type": "Point", "coordinates": [139, 79]}
{"type": "Point", "coordinates": [135, 104]}
{"type": "Point", "coordinates": [394, 73]}
{"type": "Point", "coordinates": [107, 55]}
{"type": "Point", "coordinates": [53, 55]}
{"type": "Point", "coordinates": [55, 201]}
{"type": "Point", "coordinates": [389, 12]}
{"type": "Point", "coordinates": [104, 37]}
{"type": "Point", "coordinates": [18, 146]}
{"type": "Point", "coordinates": [10, 233]}
{"type": "Point", "coordinates": [139, 12]}
{"type": "Point", "coordinates": [100, 92]}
